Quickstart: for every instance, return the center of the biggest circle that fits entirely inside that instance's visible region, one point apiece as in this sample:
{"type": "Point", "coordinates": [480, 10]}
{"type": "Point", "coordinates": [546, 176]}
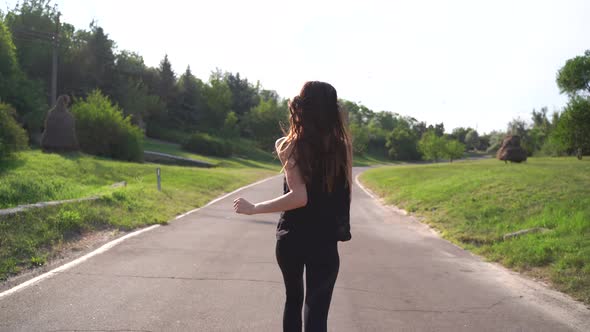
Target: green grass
{"type": "Point", "coordinates": [27, 239]}
{"type": "Point", "coordinates": [475, 203]}
{"type": "Point", "coordinates": [247, 154]}
{"type": "Point", "coordinates": [371, 159]}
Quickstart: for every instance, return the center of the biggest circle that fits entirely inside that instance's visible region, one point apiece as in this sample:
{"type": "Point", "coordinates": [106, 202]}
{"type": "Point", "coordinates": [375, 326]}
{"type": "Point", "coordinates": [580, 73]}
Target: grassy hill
{"type": "Point", "coordinates": [247, 154]}
{"type": "Point", "coordinates": [475, 203]}
{"type": "Point", "coordinates": [29, 238]}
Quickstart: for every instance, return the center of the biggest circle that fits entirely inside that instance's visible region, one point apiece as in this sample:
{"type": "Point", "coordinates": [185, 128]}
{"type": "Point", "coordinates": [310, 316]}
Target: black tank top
{"type": "Point", "coordinates": [321, 219]}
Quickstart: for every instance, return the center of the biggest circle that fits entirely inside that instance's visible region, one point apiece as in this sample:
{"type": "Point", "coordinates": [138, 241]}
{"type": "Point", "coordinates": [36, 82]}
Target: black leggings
{"type": "Point", "coordinates": [321, 263]}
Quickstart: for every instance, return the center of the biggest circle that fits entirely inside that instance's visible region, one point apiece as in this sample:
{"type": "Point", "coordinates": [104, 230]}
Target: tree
{"type": "Point", "coordinates": [420, 128]}
{"type": "Point", "coordinates": [402, 142]}
{"type": "Point", "coordinates": [12, 136]}
{"type": "Point", "coordinates": [230, 126]}
{"type": "Point", "coordinates": [438, 129]}
{"type": "Point", "coordinates": [353, 111]}
{"type": "Point", "coordinates": [454, 149]}
{"type": "Point", "coordinates": [432, 146]}
{"type": "Point", "coordinates": [484, 142]}
{"type": "Point", "coordinates": [360, 138]}
{"type": "Point", "coordinates": [135, 101]}
{"type": "Point", "coordinates": [460, 133]}
{"type": "Point", "coordinates": [25, 95]}
{"type": "Point", "coordinates": [263, 122]}
{"type": "Point", "coordinates": [31, 20]}
{"type": "Point", "coordinates": [166, 85]}
{"type": "Point", "coordinates": [574, 76]}
{"type": "Point", "coordinates": [8, 64]}
{"type": "Point", "coordinates": [472, 140]}
{"type": "Point", "coordinates": [218, 97]}
{"type": "Point", "coordinates": [101, 60]}
{"type": "Point", "coordinates": [573, 129]}
{"type": "Point", "coordinates": [244, 95]}
{"type": "Point", "coordinates": [130, 65]}
{"type": "Point", "coordinates": [188, 112]}
{"type": "Point", "coordinates": [540, 119]}
{"type": "Point", "coordinates": [385, 120]}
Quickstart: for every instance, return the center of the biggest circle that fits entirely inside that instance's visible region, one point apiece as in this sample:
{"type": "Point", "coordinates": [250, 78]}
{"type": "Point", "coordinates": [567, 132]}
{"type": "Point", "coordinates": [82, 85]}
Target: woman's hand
{"type": "Point", "coordinates": [242, 206]}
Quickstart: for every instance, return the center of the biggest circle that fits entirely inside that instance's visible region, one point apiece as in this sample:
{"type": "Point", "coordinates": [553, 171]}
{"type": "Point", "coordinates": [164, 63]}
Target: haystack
{"type": "Point", "coordinates": [60, 128]}
{"type": "Point", "coordinates": [511, 150]}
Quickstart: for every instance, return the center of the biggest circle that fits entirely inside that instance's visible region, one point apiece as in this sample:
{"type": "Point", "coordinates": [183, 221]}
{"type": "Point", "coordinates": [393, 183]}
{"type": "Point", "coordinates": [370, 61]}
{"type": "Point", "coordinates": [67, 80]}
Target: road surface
{"type": "Point", "coordinates": [216, 271]}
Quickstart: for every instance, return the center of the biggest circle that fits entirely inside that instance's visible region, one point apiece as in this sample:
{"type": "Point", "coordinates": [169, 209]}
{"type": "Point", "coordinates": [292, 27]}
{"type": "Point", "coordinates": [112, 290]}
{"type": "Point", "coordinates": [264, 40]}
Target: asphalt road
{"type": "Point", "coordinates": [216, 271]}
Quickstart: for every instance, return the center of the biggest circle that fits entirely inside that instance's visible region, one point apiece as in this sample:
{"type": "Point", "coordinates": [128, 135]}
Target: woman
{"type": "Point", "coordinates": [317, 158]}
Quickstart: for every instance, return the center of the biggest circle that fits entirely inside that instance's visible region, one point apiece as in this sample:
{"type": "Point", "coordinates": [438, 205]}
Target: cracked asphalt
{"type": "Point", "coordinates": [214, 270]}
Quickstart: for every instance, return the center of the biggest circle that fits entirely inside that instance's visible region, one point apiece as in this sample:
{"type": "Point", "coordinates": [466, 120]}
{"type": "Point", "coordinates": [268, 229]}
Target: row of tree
{"type": "Point", "coordinates": [227, 105]}
{"type": "Point", "coordinates": [155, 98]}
{"type": "Point", "coordinates": [566, 132]}
{"type": "Point", "coordinates": [556, 134]}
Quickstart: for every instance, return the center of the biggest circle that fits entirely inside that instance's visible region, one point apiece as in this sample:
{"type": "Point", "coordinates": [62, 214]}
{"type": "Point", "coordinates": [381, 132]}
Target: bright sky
{"type": "Point", "coordinates": [464, 63]}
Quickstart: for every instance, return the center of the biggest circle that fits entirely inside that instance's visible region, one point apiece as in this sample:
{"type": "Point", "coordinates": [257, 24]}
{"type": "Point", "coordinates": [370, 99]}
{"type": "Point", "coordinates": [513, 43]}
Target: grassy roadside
{"type": "Point", "coordinates": [474, 203]}
{"type": "Point", "coordinates": [27, 239]}
{"type": "Point", "coordinates": [370, 159]}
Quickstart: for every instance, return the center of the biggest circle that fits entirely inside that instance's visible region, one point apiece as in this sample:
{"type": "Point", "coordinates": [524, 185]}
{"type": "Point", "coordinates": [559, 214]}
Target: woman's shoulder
{"type": "Point", "coordinates": [279, 142]}
{"type": "Point", "coordinates": [284, 149]}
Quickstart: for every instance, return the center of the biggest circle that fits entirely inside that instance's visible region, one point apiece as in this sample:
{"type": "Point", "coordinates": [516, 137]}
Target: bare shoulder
{"type": "Point", "coordinates": [279, 142]}
{"type": "Point", "coordinates": [283, 149]}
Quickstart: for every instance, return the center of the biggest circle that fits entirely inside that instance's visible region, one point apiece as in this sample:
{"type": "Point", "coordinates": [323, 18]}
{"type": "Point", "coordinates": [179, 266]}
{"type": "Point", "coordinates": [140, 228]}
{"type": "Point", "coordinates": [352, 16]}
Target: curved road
{"type": "Point", "coordinates": [213, 270]}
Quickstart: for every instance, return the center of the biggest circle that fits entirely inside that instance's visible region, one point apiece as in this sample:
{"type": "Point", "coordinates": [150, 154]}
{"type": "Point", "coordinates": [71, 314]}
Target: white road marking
{"type": "Point", "coordinates": [358, 183]}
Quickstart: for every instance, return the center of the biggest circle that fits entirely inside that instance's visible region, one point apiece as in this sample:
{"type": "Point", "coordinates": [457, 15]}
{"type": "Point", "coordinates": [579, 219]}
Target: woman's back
{"type": "Point", "coordinates": [320, 218]}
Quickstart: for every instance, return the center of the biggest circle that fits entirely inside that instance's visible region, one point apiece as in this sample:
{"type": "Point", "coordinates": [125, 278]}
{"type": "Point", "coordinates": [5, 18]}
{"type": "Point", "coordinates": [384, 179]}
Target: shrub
{"type": "Point", "coordinates": [208, 145]}
{"type": "Point", "coordinates": [12, 136]}
{"type": "Point", "coordinates": [102, 129]}
{"type": "Point", "coordinates": [154, 130]}
{"type": "Point", "coordinates": [553, 147]}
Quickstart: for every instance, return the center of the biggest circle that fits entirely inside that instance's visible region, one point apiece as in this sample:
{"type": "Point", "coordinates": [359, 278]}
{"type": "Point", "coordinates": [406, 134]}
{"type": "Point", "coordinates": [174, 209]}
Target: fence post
{"type": "Point", "coordinates": [159, 177]}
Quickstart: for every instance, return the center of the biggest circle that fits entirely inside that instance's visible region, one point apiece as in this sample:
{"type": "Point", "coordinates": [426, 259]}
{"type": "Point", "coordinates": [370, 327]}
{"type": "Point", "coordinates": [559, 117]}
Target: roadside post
{"type": "Point", "coordinates": [159, 177]}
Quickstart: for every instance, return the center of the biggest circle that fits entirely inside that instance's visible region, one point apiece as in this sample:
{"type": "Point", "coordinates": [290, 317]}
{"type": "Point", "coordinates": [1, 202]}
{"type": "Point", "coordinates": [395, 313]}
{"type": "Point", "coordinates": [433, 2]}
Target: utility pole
{"type": "Point", "coordinates": [54, 69]}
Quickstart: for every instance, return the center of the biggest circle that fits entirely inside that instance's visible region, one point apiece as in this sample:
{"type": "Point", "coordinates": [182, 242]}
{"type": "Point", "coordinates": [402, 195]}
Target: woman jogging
{"type": "Point", "coordinates": [317, 159]}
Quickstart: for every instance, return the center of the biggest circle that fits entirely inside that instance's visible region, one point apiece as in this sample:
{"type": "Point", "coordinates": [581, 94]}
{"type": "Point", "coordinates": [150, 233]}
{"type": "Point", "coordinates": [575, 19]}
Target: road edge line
{"type": "Point", "coordinates": [358, 183]}
{"type": "Point", "coordinates": [105, 247]}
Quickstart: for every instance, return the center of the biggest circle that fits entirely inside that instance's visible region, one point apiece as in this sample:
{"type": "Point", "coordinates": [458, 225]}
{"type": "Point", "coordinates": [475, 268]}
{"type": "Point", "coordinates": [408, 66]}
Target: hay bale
{"type": "Point", "coordinates": [60, 129]}
{"type": "Point", "coordinates": [511, 150]}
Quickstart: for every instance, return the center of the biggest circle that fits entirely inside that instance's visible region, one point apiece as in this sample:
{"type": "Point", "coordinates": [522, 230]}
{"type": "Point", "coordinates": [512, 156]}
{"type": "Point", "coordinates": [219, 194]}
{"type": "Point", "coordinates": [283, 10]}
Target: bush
{"type": "Point", "coordinates": [154, 130]}
{"type": "Point", "coordinates": [12, 136]}
{"type": "Point", "coordinates": [103, 130]}
{"type": "Point", "coordinates": [208, 145]}
{"type": "Point", "coordinates": [553, 147]}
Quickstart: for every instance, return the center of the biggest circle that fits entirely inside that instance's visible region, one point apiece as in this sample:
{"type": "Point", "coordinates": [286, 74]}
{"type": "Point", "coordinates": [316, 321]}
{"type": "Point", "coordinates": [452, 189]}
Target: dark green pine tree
{"type": "Point", "coordinates": [190, 103]}
{"type": "Point", "coordinates": [101, 66]}
{"type": "Point", "coordinates": [166, 82]}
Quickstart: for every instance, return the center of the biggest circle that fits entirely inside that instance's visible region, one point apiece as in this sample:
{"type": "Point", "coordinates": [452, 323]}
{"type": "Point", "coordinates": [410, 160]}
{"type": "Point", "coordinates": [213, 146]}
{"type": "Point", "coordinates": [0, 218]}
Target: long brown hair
{"type": "Point", "coordinates": [317, 135]}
